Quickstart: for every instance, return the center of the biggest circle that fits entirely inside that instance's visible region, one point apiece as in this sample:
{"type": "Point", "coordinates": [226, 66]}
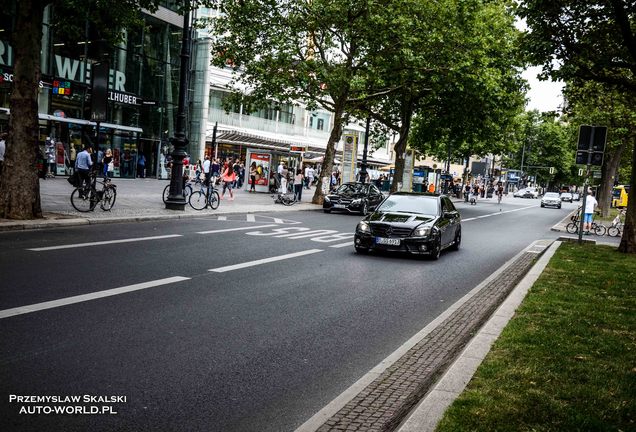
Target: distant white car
{"type": "Point", "coordinates": [527, 193]}
{"type": "Point", "coordinates": [551, 199]}
{"type": "Point", "coordinates": [566, 196]}
{"type": "Point", "coordinates": [576, 196]}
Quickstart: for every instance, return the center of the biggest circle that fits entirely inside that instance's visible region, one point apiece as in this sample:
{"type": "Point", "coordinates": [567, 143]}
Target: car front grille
{"type": "Point", "coordinates": [384, 230]}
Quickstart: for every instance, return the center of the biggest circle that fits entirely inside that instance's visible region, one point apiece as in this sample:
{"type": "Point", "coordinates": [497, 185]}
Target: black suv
{"type": "Point", "coordinates": [411, 222]}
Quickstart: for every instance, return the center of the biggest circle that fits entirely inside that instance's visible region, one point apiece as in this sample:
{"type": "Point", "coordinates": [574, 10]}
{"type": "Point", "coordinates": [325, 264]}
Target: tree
{"type": "Point", "coordinates": [598, 104]}
{"type": "Point", "coordinates": [314, 51]}
{"type": "Point", "coordinates": [475, 102]}
{"type": "Point", "coordinates": [19, 186]}
{"type": "Point", "coordinates": [591, 40]}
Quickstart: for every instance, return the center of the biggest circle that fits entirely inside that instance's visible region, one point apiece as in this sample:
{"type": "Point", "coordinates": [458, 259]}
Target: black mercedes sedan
{"type": "Point", "coordinates": [417, 223]}
{"type": "Point", "coordinates": [354, 198]}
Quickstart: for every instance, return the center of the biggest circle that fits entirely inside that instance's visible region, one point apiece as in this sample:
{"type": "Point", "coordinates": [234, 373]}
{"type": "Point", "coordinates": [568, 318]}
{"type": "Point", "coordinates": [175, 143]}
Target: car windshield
{"type": "Point", "coordinates": [551, 195]}
{"type": "Point", "coordinates": [350, 188]}
{"type": "Point", "coordinates": [411, 204]}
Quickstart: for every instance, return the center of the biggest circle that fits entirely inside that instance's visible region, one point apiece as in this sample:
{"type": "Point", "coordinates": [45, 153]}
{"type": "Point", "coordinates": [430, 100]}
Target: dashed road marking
{"type": "Point", "coordinates": [234, 229]}
{"type": "Point", "coordinates": [87, 297]}
{"type": "Point", "coordinates": [100, 243]}
{"type": "Point", "coordinates": [341, 245]}
{"type": "Point", "coordinates": [264, 261]}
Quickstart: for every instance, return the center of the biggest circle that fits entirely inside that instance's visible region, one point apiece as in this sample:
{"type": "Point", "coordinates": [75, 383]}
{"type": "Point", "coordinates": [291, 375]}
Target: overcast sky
{"type": "Point", "coordinates": [543, 95]}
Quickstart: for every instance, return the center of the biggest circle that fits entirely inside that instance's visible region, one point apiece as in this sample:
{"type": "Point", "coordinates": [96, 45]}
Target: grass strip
{"type": "Point", "coordinates": [567, 360]}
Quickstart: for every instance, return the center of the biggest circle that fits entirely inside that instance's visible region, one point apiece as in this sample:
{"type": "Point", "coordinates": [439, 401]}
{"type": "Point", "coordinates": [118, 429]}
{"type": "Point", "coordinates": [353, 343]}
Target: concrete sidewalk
{"type": "Point", "coordinates": [140, 200]}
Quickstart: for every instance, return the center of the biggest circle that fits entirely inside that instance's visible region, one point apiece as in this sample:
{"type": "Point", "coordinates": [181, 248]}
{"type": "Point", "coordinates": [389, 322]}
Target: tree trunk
{"type": "Point", "coordinates": [330, 151]}
{"type": "Point", "coordinates": [628, 241]}
{"type": "Point", "coordinates": [400, 150]}
{"type": "Point", "coordinates": [19, 186]}
{"type": "Point", "coordinates": [400, 146]}
{"type": "Point", "coordinates": [609, 170]}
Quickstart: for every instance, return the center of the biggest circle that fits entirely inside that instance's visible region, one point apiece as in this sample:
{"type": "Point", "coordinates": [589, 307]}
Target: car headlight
{"type": "Point", "coordinates": [422, 232]}
{"type": "Point", "coordinates": [363, 227]}
{"type": "Point", "coordinates": [327, 199]}
{"type": "Point", "coordinates": [356, 201]}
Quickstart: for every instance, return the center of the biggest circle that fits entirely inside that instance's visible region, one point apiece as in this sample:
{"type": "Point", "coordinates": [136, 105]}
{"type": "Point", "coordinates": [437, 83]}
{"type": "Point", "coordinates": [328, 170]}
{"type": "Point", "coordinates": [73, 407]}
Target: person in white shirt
{"type": "Point", "coordinates": [588, 214]}
{"type": "Point", "coordinates": [206, 170]}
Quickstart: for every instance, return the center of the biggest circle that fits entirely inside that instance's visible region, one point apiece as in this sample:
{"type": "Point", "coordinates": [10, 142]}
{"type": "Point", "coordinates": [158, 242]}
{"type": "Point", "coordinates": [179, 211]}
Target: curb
{"type": "Point", "coordinates": [431, 409]}
{"type": "Point", "coordinates": [387, 394]}
{"type": "Point", "coordinates": [37, 224]}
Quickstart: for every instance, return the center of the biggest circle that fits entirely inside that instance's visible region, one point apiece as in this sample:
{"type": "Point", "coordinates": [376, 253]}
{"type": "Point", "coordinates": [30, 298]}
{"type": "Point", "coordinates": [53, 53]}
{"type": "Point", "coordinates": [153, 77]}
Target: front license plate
{"type": "Point", "coordinates": [388, 241]}
{"type": "Point", "coordinates": [339, 206]}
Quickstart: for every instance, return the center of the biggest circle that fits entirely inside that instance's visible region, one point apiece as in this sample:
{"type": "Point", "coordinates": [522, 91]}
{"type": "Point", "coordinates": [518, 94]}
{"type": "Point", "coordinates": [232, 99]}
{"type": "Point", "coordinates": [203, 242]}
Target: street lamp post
{"type": "Point", "coordinates": [363, 165]}
{"type": "Point", "coordinates": [176, 200]}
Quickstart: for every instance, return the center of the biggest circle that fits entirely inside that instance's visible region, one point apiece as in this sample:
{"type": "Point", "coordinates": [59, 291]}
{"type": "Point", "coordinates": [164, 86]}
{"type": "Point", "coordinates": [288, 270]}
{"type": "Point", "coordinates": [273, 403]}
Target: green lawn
{"type": "Point", "coordinates": [567, 360]}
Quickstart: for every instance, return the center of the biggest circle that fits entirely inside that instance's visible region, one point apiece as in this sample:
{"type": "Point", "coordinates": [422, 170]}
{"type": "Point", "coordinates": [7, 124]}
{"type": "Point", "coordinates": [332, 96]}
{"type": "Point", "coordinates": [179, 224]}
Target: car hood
{"type": "Point", "coordinates": [402, 218]}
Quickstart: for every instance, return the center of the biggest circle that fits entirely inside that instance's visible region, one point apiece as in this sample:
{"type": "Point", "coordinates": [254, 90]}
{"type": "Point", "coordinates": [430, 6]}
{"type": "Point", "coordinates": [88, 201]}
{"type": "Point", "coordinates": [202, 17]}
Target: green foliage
{"type": "Point", "coordinates": [592, 40]}
{"type": "Point", "coordinates": [565, 361]}
{"type": "Point", "coordinates": [473, 103]}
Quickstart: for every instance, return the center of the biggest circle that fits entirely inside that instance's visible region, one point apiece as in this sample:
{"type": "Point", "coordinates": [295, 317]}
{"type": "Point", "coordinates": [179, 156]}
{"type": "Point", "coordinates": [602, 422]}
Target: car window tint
{"type": "Point", "coordinates": [411, 204]}
{"type": "Point", "coordinates": [348, 188]}
{"type": "Point", "coordinates": [449, 205]}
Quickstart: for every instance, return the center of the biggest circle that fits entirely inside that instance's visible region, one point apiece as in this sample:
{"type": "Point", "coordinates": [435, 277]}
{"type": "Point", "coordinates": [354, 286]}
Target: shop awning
{"type": "Point", "coordinates": [249, 140]}
{"type": "Point", "coordinates": [50, 117]}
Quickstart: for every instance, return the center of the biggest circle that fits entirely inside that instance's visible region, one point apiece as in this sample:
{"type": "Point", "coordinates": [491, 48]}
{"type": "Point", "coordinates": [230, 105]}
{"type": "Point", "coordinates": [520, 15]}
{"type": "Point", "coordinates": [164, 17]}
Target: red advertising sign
{"type": "Point", "coordinates": [261, 162]}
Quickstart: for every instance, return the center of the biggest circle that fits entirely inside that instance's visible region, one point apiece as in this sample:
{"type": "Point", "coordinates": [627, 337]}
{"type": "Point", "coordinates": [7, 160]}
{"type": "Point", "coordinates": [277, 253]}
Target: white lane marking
{"type": "Point", "coordinates": [264, 261]}
{"type": "Point", "coordinates": [234, 229]}
{"type": "Point", "coordinates": [497, 213]}
{"type": "Point", "coordinates": [222, 218]}
{"type": "Point", "coordinates": [250, 218]}
{"type": "Point", "coordinates": [86, 297]}
{"type": "Point", "coordinates": [340, 245]}
{"type": "Point", "coordinates": [279, 221]}
{"type": "Point", "coordinates": [78, 245]}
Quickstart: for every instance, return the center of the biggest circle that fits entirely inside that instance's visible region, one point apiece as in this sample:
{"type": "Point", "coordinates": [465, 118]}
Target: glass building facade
{"type": "Point", "coordinates": [142, 97]}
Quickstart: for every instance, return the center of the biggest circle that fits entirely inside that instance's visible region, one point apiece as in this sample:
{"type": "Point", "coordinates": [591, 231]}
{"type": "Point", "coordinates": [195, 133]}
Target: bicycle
{"type": "Point", "coordinates": [205, 197]}
{"type": "Point", "coordinates": [616, 230]}
{"type": "Point", "coordinates": [573, 227]}
{"type": "Point", "coordinates": [187, 188]}
{"type": "Point", "coordinates": [287, 199]}
{"type": "Point", "coordinates": [85, 198]}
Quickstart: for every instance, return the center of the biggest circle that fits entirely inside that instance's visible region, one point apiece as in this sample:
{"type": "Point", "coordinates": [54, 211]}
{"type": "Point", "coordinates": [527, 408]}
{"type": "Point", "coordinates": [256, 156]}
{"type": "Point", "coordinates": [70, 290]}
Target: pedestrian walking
{"type": "Point", "coordinates": [298, 184]}
{"type": "Point", "coordinates": [141, 165]}
{"type": "Point", "coordinates": [283, 179]}
{"type": "Point", "coordinates": [253, 171]}
{"type": "Point", "coordinates": [83, 165]}
{"type": "Point", "coordinates": [228, 178]}
{"type": "Point", "coordinates": [207, 174]}
{"type": "Point", "coordinates": [108, 160]}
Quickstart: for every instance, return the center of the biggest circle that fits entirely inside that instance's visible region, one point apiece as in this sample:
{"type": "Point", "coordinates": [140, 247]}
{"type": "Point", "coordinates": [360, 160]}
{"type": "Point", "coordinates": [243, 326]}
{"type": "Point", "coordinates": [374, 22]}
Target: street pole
{"type": "Point", "coordinates": [214, 144]}
{"type": "Point", "coordinates": [585, 185]}
{"type": "Point", "coordinates": [176, 200]}
{"type": "Point", "coordinates": [363, 167]}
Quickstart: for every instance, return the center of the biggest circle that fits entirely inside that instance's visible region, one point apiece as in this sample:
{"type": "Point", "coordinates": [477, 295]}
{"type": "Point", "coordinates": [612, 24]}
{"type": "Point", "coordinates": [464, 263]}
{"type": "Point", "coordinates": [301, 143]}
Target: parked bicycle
{"type": "Point", "coordinates": [205, 197]}
{"type": "Point", "coordinates": [85, 198]}
{"type": "Point", "coordinates": [287, 199]}
{"type": "Point", "coordinates": [188, 188]}
{"type": "Point", "coordinates": [573, 227]}
{"type": "Point", "coordinates": [616, 229]}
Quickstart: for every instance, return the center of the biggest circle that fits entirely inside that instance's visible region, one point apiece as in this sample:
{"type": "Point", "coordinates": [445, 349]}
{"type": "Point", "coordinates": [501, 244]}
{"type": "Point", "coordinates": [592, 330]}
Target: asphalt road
{"type": "Point", "coordinates": [204, 337]}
